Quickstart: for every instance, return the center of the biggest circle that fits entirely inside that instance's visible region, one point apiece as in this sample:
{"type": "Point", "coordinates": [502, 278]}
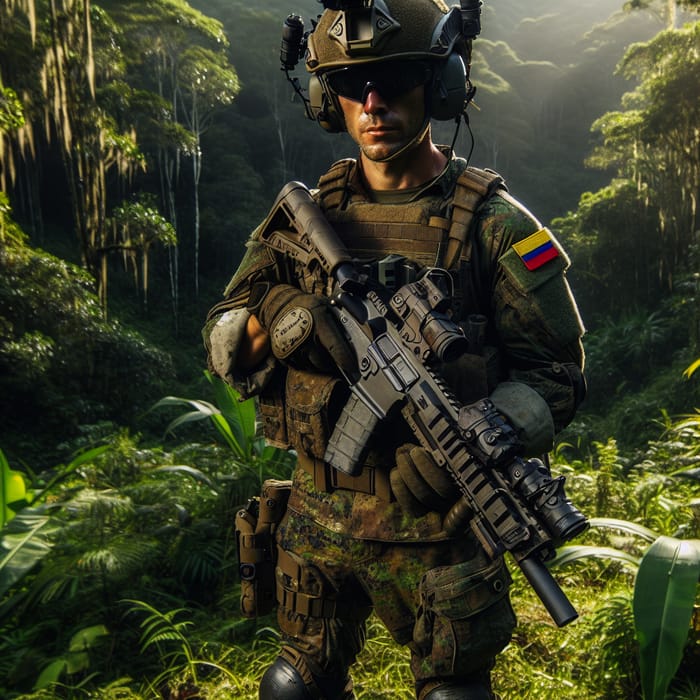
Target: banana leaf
{"type": "Point", "coordinates": [12, 490]}
{"type": "Point", "coordinates": [565, 555]}
{"type": "Point", "coordinates": [240, 415]}
{"type": "Point", "coordinates": [625, 526]}
{"type": "Point", "coordinates": [664, 595]}
{"type": "Point", "coordinates": [24, 542]}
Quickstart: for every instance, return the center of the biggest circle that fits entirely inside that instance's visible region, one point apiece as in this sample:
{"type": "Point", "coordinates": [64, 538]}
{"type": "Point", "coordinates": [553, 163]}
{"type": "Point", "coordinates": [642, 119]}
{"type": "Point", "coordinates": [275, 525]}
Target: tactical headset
{"type": "Point", "coordinates": [363, 27]}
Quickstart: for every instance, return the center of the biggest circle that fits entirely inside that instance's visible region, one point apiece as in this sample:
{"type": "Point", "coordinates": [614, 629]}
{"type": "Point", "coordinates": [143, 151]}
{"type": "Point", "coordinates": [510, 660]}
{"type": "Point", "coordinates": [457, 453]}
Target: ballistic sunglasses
{"type": "Point", "coordinates": [390, 79]}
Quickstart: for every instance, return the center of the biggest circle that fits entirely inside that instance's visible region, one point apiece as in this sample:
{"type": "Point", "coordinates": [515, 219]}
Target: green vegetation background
{"type": "Point", "coordinates": [134, 160]}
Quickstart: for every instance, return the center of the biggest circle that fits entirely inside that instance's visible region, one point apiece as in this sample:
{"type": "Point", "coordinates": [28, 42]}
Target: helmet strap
{"type": "Point", "coordinates": [419, 136]}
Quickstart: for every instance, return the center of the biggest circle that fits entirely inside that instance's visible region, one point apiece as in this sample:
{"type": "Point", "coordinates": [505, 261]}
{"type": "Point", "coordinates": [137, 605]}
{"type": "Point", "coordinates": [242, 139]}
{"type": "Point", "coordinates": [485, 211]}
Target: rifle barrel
{"type": "Point", "coordinates": [548, 591]}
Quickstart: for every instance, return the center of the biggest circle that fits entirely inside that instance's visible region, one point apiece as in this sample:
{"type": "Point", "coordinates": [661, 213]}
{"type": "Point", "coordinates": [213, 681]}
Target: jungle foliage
{"type": "Point", "coordinates": [140, 142]}
{"type": "Point", "coordinates": [129, 547]}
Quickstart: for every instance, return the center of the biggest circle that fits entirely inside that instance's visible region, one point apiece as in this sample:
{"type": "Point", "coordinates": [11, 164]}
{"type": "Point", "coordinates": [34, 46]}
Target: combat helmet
{"type": "Point", "coordinates": [435, 39]}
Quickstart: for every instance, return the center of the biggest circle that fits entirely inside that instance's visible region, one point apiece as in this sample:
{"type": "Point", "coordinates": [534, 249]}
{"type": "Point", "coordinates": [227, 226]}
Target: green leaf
{"type": "Point", "coordinates": [51, 674]}
{"type": "Point", "coordinates": [625, 526]}
{"type": "Point", "coordinates": [196, 474]}
{"type": "Point", "coordinates": [688, 372]}
{"type": "Point", "coordinates": [22, 546]}
{"type": "Point", "coordinates": [239, 414]}
{"type": "Point", "coordinates": [190, 417]}
{"type": "Point", "coordinates": [565, 555]}
{"type": "Point", "coordinates": [12, 490]}
{"type": "Point", "coordinates": [234, 419]}
{"type": "Point", "coordinates": [226, 430]}
{"type": "Point", "coordinates": [87, 637]}
{"type": "Point", "coordinates": [77, 661]}
{"type": "Point", "coordinates": [693, 474]}
{"type": "Point", "coordinates": [664, 595]}
{"type": "Point", "coordinates": [63, 471]}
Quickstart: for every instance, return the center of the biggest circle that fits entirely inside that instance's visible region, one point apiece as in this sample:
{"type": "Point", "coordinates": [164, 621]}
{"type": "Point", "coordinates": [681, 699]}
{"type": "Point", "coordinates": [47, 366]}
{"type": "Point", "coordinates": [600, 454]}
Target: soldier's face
{"type": "Point", "coordinates": [382, 126]}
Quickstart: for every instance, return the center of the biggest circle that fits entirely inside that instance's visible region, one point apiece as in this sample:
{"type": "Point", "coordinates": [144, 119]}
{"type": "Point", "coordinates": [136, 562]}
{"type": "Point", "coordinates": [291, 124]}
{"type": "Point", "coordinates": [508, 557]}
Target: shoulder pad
{"type": "Point", "coordinates": [482, 180]}
{"type": "Point", "coordinates": [257, 258]}
{"type": "Point", "coordinates": [474, 187]}
{"type": "Point", "coordinates": [332, 185]}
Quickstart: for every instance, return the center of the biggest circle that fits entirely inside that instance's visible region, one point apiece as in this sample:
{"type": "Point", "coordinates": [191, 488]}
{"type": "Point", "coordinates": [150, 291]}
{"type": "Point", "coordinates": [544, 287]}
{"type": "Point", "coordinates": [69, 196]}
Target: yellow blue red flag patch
{"type": "Point", "coordinates": [537, 249]}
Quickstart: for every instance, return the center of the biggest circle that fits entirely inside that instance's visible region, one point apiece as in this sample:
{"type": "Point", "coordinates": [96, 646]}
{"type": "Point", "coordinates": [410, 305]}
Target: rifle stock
{"type": "Point", "coordinates": [511, 504]}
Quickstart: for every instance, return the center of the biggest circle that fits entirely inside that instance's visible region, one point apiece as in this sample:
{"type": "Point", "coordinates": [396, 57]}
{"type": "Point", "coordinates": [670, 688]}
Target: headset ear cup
{"type": "Point", "coordinates": [322, 107]}
{"type": "Point", "coordinates": [449, 95]}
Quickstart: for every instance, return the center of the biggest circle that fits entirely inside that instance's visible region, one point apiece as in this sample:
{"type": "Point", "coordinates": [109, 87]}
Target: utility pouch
{"type": "Point", "coordinates": [314, 402]}
{"type": "Point", "coordinates": [256, 525]}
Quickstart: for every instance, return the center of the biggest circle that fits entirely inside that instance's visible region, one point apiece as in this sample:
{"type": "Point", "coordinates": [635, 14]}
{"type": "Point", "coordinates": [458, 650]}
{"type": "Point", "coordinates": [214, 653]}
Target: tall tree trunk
{"type": "Point", "coordinates": [69, 79]}
{"type": "Point", "coordinates": [196, 174]}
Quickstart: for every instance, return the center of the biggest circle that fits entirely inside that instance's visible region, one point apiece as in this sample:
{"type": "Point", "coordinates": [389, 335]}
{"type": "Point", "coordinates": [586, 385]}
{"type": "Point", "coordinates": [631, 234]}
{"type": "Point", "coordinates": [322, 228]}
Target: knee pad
{"type": "Point", "coordinates": [473, 690]}
{"type": "Point", "coordinates": [282, 681]}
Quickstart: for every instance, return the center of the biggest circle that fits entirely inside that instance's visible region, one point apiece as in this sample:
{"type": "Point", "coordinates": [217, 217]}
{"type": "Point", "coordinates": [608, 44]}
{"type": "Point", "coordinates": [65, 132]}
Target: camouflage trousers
{"type": "Point", "coordinates": [444, 599]}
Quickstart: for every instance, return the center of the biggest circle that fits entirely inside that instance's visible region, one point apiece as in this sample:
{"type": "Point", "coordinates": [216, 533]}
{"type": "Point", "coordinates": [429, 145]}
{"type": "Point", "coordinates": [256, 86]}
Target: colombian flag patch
{"type": "Point", "coordinates": [537, 249]}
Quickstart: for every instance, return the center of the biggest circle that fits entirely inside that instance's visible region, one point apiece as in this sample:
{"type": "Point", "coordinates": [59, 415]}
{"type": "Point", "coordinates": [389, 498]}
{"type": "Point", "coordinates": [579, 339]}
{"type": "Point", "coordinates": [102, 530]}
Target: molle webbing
{"type": "Point", "coordinates": [333, 185]}
{"type": "Point", "coordinates": [474, 186]}
{"type": "Point", "coordinates": [289, 574]}
{"type": "Point", "coordinates": [406, 229]}
{"type": "Point", "coordinates": [429, 231]}
{"type": "Point", "coordinates": [372, 230]}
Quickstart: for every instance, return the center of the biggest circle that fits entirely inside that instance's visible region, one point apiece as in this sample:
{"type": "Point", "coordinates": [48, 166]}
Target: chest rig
{"type": "Point", "coordinates": [432, 231]}
{"type": "Point", "coordinates": [435, 230]}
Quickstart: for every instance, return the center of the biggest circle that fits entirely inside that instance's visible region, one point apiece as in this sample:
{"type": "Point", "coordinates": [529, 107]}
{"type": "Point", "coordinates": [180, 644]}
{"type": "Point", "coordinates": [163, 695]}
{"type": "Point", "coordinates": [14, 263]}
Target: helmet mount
{"type": "Point", "coordinates": [361, 32]}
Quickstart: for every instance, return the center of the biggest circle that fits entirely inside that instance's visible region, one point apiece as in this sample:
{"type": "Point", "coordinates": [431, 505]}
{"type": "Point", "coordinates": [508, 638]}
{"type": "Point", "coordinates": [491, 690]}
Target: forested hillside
{"type": "Point", "coordinates": [140, 143]}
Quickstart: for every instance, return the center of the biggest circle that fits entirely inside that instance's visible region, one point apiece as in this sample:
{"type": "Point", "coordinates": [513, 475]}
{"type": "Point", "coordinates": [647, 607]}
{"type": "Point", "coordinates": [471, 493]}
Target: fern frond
{"type": "Point", "coordinates": [199, 560]}
{"type": "Point", "coordinates": [121, 556]}
{"type": "Point", "coordinates": [161, 626]}
{"type": "Point", "coordinates": [100, 505]}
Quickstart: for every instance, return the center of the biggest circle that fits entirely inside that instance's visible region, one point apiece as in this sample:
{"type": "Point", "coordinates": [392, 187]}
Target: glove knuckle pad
{"type": "Point", "coordinates": [422, 478]}
{"type": "Point", "coordinates": [290, 331]}
{"type": "Point", "coordinates": [404, 496]}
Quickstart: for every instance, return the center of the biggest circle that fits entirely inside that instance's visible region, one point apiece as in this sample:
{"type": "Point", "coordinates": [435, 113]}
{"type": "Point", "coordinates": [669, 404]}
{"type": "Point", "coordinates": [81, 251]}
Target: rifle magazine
{"type": "Point", "coordinates": [349, 442]}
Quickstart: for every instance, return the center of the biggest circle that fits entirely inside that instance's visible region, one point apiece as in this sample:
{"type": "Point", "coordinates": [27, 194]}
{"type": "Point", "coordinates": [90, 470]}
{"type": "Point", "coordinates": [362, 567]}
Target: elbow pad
{"type": "Point", "coordinates": [225, 337]}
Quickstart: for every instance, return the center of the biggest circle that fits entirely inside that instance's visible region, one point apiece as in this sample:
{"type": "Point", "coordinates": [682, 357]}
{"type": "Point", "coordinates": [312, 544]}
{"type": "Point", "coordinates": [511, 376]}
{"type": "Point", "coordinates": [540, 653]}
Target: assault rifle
{"type": "Point", "coordinates": [513, 505]}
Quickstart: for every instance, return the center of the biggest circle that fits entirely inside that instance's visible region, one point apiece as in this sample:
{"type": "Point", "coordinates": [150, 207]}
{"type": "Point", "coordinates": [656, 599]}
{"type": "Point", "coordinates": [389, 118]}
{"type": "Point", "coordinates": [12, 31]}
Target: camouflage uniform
{"type": "Point", "coordinates": [347, 546]}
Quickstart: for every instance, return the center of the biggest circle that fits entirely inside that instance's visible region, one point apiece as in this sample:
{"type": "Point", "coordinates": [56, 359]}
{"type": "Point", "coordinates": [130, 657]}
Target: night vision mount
{"type": "Point", "coordinates": [362, 33]}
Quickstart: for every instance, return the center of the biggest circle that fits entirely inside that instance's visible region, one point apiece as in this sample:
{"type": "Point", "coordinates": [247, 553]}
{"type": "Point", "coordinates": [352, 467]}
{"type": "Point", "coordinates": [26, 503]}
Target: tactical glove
{"type": "Point", "coordinates": [465, 376]}
{"type": "Point", "coordinates": [303, 330]}
{"type": "Point", "coordinates": [529, 415]}
{"type": "Point", "coordinates": [419, 483]}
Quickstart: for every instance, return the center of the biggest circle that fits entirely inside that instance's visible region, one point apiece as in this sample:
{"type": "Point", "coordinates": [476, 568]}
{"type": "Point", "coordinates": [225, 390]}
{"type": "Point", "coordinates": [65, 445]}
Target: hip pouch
{"type": "Point", "coordinates": [314, 402]}
{"type": "Point", "coordinates": [256, 525]}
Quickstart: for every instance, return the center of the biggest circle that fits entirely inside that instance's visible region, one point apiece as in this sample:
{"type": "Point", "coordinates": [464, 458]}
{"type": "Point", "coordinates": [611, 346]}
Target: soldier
{"type": "Point", "coordinates": [349, 545]}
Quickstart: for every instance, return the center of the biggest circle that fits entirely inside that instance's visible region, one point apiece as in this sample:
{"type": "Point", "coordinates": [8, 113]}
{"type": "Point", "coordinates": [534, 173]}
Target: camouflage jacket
{"type": "Point", "coordinates": [510, 271]}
